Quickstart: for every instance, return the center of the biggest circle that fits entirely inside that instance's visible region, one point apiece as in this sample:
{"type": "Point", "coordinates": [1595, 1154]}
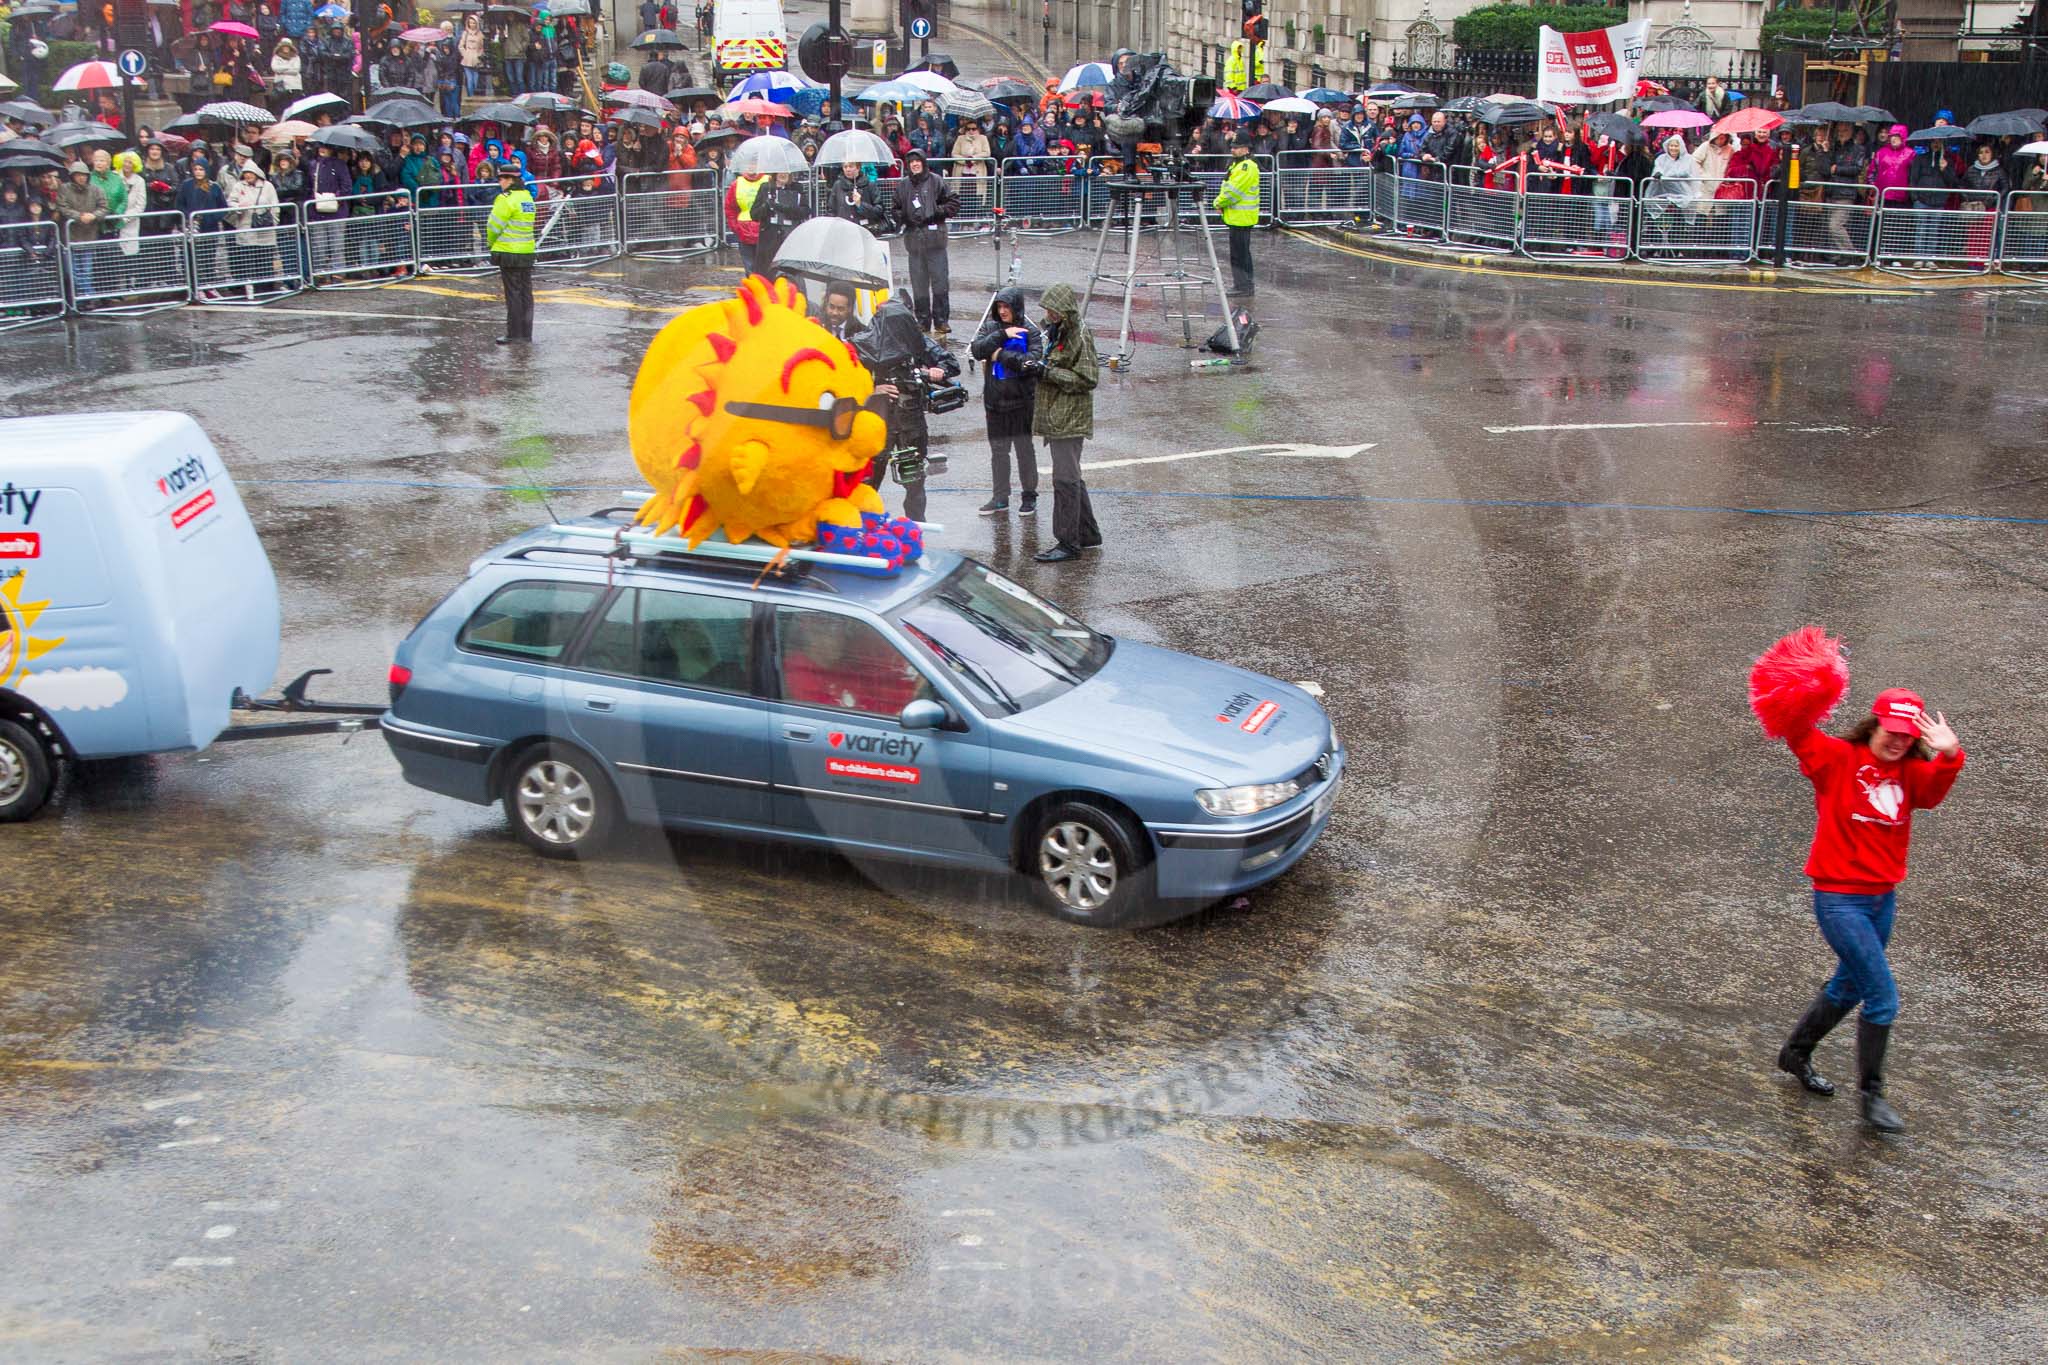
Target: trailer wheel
{"type": "Point", "coordinates": [26, 769]}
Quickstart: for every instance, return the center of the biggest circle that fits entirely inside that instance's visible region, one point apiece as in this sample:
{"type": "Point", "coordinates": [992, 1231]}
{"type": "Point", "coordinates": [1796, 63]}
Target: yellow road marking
{"type": "Point", "coordinates": [581, 297]}
{"type": "Point", "coordinates": [1350, 250]}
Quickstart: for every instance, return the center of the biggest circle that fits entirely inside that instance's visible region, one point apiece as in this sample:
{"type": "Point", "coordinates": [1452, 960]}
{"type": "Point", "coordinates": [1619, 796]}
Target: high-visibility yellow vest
{"type": "Point", "coordinates": [511, 225]}
{"type": "Point", "coordinates": [1258, 63]}
{"type": "Point", "coordinates": [745, 190]}
{"type": "Point", "coordinates": [1239, 197]}
{"type": "Point", "coordinates": [1236, 67]}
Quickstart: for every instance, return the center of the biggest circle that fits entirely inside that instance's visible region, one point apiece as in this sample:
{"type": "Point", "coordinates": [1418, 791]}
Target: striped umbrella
{"type": "Point", "coordinates": [1233, 106]}
{"type": "Point", "coordinates": [1086, 74]}
{"type": "Point", "coordinates": [966, 104]}
{"type": "Point", "coordinates": [91, 76]}
{"type": "Point", "coordinates": [769, 85]}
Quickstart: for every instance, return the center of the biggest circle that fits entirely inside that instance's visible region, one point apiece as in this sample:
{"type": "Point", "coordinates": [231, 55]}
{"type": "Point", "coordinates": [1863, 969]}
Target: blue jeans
{"type": "Point", "coordinates": [472, 80]}
{"type": "Point", "coordinates": [1858, 928]}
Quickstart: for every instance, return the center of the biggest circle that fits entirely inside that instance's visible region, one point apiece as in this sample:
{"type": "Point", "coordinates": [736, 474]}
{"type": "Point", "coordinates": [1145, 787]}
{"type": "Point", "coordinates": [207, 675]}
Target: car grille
{"type": "Point", "coordinates": [1318, 772]}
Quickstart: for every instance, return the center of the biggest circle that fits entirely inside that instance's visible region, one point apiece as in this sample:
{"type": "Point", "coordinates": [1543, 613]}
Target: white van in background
{"type": "Point", "coordinates": [747, 35]}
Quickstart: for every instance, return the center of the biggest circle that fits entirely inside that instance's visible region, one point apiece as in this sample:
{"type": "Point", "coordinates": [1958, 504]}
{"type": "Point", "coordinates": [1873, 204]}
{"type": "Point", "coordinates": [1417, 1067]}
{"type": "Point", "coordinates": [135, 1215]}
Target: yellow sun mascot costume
{"type": "Point", "coordinates": [749, 418]}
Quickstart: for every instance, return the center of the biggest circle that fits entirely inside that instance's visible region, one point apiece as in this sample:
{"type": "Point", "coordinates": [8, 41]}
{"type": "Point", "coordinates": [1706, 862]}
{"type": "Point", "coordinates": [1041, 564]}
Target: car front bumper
{"type": "Point", "coordinates": [1196, 862]}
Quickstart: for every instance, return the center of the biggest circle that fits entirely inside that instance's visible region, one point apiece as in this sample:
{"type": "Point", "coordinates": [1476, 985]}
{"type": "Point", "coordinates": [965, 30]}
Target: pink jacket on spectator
{"type": "Point", "coordinates": [1888, 168]}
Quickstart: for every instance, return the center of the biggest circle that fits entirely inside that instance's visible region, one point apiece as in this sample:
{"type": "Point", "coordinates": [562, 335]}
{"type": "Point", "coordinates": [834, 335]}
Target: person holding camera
{"type": "Point", "coordinates": [924, 201]}
{"type": "Point", "coordinates": [906, 364]}
{"type": "Point", "coordinates": [1063, 412]}
{"type": "Point", "coordinates": [1014, 352]}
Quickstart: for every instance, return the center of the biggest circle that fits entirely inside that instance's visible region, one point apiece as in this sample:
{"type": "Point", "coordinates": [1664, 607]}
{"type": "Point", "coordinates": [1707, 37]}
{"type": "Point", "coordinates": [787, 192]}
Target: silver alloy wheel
{"type": "Point", "coordinates": [1078, 864]}
{"type": "Point", "coordinates": [13, 772]}
{"type": "Point", "coordinates": [556, 802]}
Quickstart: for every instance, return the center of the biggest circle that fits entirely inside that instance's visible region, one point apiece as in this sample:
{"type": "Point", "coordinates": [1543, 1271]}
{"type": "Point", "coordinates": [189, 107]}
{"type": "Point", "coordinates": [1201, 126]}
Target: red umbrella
{"type": "Point", "coordinates": [1749, 120]}
{"type": "Point", "coordinates": [758, 108]}
{"type": "Point", "coordinates": [233, 29]}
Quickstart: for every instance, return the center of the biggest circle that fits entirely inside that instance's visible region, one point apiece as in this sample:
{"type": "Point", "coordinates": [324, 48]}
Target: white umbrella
{"type": "Point", "coordinates": [1292, 104]}
{"type": "Point", "coordinates": [930, 82]}
{"type": "Point", "coordinates": [2035, 149]}
{"type": "Point", "coordinates": [313, 104]}
{"type": "Point", "coordinates": [830, 249]}
{"type": "Point", "coordinates": [1086, 74]}
{"type": "Point", "coordinates": [6, 84]}
{"type": "Point", "coordinates": [858, 145]}
{"type": "Point", "coordinates": [90, 76]}
{"type": "Point", "coordinates": [768, 155]}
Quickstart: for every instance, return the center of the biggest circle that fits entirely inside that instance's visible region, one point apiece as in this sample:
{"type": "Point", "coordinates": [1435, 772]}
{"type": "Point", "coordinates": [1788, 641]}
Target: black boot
{"type": "Point", "coordinates": [1796, 1056]}
{"type": "Point", "coordinates": [1871, 1040]}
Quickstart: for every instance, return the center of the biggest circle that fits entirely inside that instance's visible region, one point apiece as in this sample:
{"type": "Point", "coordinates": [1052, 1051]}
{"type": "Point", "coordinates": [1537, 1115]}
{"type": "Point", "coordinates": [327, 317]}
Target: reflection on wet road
{"type": "Point", "coordinates": [298, 1062]}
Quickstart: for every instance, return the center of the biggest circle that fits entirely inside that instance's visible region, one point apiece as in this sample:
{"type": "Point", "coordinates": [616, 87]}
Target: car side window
{"type": "Point", "coordinates": [529, 620]}
{"type": "Point", "coordinates": [684, 639]}
{"type": "Point", "coordinates": [843, 663]}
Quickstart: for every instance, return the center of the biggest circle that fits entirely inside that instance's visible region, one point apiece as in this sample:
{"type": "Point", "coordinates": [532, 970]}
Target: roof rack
{"type": "Point", "coordinates": [628, 541]}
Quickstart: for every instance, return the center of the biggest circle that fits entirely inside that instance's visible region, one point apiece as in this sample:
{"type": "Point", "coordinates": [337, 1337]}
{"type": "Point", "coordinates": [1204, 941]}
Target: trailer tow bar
{"type": "Point", "coordinates": [345, 718]}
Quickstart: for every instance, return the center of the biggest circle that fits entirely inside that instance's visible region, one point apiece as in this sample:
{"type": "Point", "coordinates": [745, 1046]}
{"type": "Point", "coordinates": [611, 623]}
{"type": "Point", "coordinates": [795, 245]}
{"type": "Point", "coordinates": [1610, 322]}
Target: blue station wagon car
{"type": "Point", "coordinates": [944, 714]}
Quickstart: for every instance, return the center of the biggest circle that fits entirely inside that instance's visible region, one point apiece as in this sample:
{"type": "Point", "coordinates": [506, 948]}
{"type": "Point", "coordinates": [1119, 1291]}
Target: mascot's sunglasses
{"type": "Point", "coordinates": [837, 419]}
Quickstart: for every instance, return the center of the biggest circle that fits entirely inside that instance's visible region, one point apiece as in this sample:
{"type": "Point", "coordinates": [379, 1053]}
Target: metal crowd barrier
{"type": "Point", "coordinates": [1590, 216]}
{"type": "Point", "coordinates": [1418, 203]}
{"type": "Point", "coordinates": [671, 215]}
{"type": "Point", "coordinates": [2023, 241]}
{"type": "Point", "coordinates": [31, 274]}
{"type": "Point", "coordinates": [451, 237]}
{"type": "Point", "coordinates": [369, 243]}
{"type": "Point", "coordinates": [1699, 230]}
{"type": "Point", "coordinates": [103, 276]}
{"type": "Point", "coordinates": [1947, 241]}
{"type": "Point", "coordinates": [979, 193]}
{"type": "Point", "coordinates": [1307, 193]}
{"type": "Point", "coordinates": [1475, 215]}
{"type": "Point", "coordinates": [573, 227]}
{"type": "Point", "coordinates": [252, 257]}
{"type": "Point", "coordinates": [1038, 196]}
{"type": "Point", "coordinates": [1828, 233]}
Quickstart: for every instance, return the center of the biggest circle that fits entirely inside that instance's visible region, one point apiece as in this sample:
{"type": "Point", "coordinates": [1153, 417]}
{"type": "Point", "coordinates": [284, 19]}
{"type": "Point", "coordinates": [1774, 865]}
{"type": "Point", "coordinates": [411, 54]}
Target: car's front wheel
{"type": "Point", "coordinates": [1088, 865]}
{"type": "Point", "coordinates": [558, 801]}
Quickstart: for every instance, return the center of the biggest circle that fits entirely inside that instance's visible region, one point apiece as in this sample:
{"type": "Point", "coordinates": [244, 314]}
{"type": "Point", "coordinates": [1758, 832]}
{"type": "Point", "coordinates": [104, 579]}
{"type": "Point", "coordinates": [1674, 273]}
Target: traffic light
{"type": "Point", "coordinates": [824, 56]}
{"type": "Point", "coordinates": [131, 24]}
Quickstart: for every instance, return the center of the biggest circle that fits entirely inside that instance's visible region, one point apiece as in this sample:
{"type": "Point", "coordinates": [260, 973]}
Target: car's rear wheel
{"type": "Point", "coordinates": [27, 772]}
{"type": "Point", "coordinates": [558, 801]}
{"type": "Point", "coordinates": [1088, 866]}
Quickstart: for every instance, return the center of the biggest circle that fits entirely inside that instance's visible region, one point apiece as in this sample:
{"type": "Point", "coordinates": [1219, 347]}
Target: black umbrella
{"type": "Point", "coordinates": [459, 7]}
{"type": "Point", "coordinates": [1513, 111]}
{"type": "Point", "coordinates": [1618, 127]}
{"type": "Point", "coordinates": [400, 113]}
{"type": "Point", "coordinates": [1416, 101]}
{"type": "Point", "coordinates": [32, 148]}
{"type": "Point", "coordinates": [1827, 111]}
{"type": "Point", "coordinates": [2014, 124]}
{"type": "Point", "coordinates": [658, 37]}
{"type": "Point", "coordinates": [396, 92]}
{"type": "Point", "coordinates": [1005, 88]}
{"type": "Point", "coordinates": [71, 136]}
{"type": "Point", "coordinates": [1945, 133]}
{"type": "Point", "coordinates": [345, 137]}
{"type": "Point", "coordinates": [500, 112]}
{"type": "Point", "coordinates": [1665, 104]}
{"type": "Point", "coordinates": [723, 135]}
{"type": "Point", "coordinates": [1869, 113]}
{"type": "Point", "coordinates": [1464, 104]}
{"type": "Point", "coordinates": [940, 64]}
{"type": "Point", "coordinates": [695, 92]}
{"type": "Point", "coordinates": [510, 12]}
{"type": "Point", "coordinates": [639, 118]}
{"type": "Point", "coordinates": [1800, 118]}
{"type": "Point", "coordinates": [28, 111]}
{"type": "Point", "coordinates": [185, 123]}
{"type": "Point", "coordinates": [1266, 90]}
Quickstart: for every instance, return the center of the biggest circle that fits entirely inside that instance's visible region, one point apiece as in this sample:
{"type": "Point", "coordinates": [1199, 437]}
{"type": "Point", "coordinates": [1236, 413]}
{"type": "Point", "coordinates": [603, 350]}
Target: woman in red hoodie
{"type": "Point", "coordinates": [1866, 787]}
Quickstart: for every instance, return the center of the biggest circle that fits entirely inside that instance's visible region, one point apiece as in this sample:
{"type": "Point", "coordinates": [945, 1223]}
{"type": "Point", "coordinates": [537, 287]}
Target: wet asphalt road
{"type": "Point", "coordinates": [1488, 1076]}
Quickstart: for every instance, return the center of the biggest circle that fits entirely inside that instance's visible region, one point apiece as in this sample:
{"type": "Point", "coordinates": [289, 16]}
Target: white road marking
{"type": "Point", "coordinates": [203, 1260]}
{"type": "Point", "coordinates": [1288, 451]}
{"type": "Point", "coordinates": [967, 1213]}
{"type": "Point", "coordinates": [206, 1141]}
{"type": "Point", "coordinates": [220, 1230]}
{"type": "Point", "coordinates": [241, 1205]}
{"type": "Point", "coordinates": [970, 1240]}
{"type": "Point", "coordinates": [973, 1265]}
{"type": "Point", "coordinates": [1602, 426]}
{"type": "Point", "coordinates": [169, 1100]}
{"type": "Point", "coordinates": [183, 1121]}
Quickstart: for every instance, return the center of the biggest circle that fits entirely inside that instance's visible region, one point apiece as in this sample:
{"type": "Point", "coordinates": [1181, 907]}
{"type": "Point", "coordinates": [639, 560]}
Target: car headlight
{"type": "Point", "coordinates": [1247, 800]}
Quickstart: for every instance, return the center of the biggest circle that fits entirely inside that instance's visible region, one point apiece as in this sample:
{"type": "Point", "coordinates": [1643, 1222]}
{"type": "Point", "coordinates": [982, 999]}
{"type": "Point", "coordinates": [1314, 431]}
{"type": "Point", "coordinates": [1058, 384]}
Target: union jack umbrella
{"type": "Point", "coordinates": [1229, 105]}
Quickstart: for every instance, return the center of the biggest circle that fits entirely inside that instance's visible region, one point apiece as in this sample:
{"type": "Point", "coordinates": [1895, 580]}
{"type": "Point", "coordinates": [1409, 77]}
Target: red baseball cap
{"type": "Point", "coordinates": [1899, 710]}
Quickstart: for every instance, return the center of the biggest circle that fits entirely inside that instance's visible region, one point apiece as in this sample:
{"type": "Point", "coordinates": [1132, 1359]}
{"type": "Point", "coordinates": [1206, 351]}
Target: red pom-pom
{"type": "Point", "coordinates": [1796, 683]}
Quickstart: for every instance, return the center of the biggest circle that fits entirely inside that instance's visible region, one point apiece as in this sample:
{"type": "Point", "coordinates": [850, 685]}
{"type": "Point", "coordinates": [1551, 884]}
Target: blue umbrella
{"type": "Point", "coordinates": [331, 12]}
{"type": "Point", "coordinates": [1322, 94]}
{"type": "Point", "coordinates": [768, 85]}
{"type": "Point", "coordinates": [1086, 74]}
{"type": "Point", "coordinates": [894, 92]}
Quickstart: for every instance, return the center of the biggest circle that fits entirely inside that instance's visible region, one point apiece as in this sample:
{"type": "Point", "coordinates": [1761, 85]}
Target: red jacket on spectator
{"type": "Point", "coordinates": [1753, 161]}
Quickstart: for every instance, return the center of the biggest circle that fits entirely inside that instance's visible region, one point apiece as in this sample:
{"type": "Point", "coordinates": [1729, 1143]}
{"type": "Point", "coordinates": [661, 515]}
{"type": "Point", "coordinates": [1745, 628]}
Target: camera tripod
{"type": "Point", "coordinates": [1171, 266]}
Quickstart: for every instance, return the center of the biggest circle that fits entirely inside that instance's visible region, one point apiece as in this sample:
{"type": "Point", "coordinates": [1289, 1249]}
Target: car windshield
{"type": "Point", "coordinates": [1007, 647]}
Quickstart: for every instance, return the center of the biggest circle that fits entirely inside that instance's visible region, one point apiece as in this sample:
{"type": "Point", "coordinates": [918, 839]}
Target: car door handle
{"type": "Point", "coordinates": [599, 703]}
{"type": "Point", "coordinates": [798, 732]}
